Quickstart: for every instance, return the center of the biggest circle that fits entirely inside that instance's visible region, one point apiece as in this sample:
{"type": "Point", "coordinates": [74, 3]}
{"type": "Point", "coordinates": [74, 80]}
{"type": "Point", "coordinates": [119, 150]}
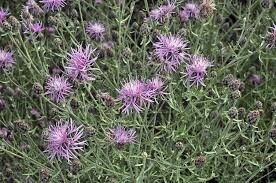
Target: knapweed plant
{"type": "Point", "coordinates": [145, 91]}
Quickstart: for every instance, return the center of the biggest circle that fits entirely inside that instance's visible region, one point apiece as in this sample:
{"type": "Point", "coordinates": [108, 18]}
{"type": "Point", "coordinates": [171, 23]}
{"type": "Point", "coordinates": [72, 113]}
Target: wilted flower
{"type": "Point", "coordinates": [58, 88]}
{"type": "Point", "coordinates": [171, 51]}
{"type": "Point", "coordinates": [6, 60]}
{"type": "Point", "coordinates": [95, 30]}
{"type": "Point", "coordinates": [121, 136]}
{"type": "Point", "coordinates": [52, 5]}
{"type": "Point", "coordinates": [207, 7]}
{"type": "Point", "coordinates": [134, 95]}
{"type": "Point", "coordinates": [197, 69]}
{"type": "Point", "coordinates": [80, 63]}
{"type": "Point", "coordinates": [189, 11]}
{"type": "Point", "coordinates": [33, 7]}
{"type": "Point", "coordinates": [3, 14]}
{"type": "Point", "coordinates": [162, 12]}
{"type": "Point", "coordinates": [271, 37]}
{"type": "Point", "coordinates": [65, 140]}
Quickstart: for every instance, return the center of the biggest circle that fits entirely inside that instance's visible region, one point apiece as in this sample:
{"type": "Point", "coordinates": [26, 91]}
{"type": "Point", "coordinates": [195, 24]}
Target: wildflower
{"type": "Point", "coordinates": [235, 94]}
{"type": "Point", "coordinates": [207, 7]}
{"type": "Point", "coordinates": [95, 30]}
{"type": "Point", "coordinates": [156, 86]}
{"type": "Point", "coordinates": [163, 12]}
{"type": "Point", "coordinates": [233, 113]}
{"type": "Point", "coordinates": [171, 51]}
{"type": "Point", "coordinates": [6, 60]}
{"type": "Point", "coordinates": [121, 136]}
{"type": "Point", "coordinates": [271, 37]}
{"type": "Point", "coordinates": [58, 88]}
{"type": "Point", "coordinates": [36, 28]}
{"type": "Point", "coordinates": [253, 117]}
{"type": "Point", "coordinates": [80, 63]}
{"type": "Point", "coordinates": [258, 105]}
{"type": "Point", "coordinates": [255, 79]}
{"type": "Point", "coordinates": [64, 139]}
{"type": "Point", "coordinates": [3, 15]}
{"type": "Point", "coordinates": [197, 69]}
{"type": "Point", "coordinates": [189, 11]}
{"type": "Point", "coordinates": [134, 95]}
{"type": "Point", "coordinates": [53, 5]}
{"type": "Point", "coordinates": [37, 88]}
{"type": "Point", "coordinates": [234, 84]}
{"type": "Point", "coordinates": [33, 7]}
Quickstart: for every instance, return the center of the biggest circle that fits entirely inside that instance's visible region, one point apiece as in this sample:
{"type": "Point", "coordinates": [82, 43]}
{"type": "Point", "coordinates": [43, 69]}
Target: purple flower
{"type": "Point", "coordinates": [3, 14]}
{"type": "Point", "coordinates": [156, 86]}
{"type": "Point", "coordinates": [95, 30]}
{"type": "Point", "coordinates": [134, 95]}
{"type": "Point", "coordinates": [190, 10]}
{"type": "Point", "coordinates": [80, 62]}
{"type": "Point", "coordinates": [271, 37]}
{"type": "Point", "coordinates": [99, 1]}
{"type": "Point", "coordinates": [52, 5]}
{"type": "Point", "coordinates": [162, 12]}
{"type": "Point", "coordinates": [121, 136]}
{"type": "Point", "coordinates": [171, 51]}
{"type": "Point", "coordinates": [255, 79]}
{"type": "Point", "coordinates": [197, 69]}
{"type": "Point", "coordinates": [36, 28]}
{"type": "Point", "coordinates": [65, 140]}
{"type": "Point", "coordinates": [6, 60]}
{"type": "Point", "coordinates": [58, 88]}
{"type": "Point", "coordinates": [33, 7]}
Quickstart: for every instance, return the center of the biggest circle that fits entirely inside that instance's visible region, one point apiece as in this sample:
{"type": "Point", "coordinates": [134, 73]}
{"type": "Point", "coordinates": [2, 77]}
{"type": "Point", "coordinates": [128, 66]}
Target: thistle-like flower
{"type": "Point", "coordinates": [80, 63]}
{"type": "Point", "coordinates": [156, 86]}
{"type": "Point", "coordinates": [121, 136]}
{"type": "Point", "coordinates": [65, 140]}
{"type": "Point", "coordinates": [189, 11]}
{"type": "Point", "coordinates": [3, 15]}
{"type": "Point", "coordinates": [53, 5]}
{"type": "Point", "coordinates": [271, 37]}
{"type": "Point", "coordinates": [6, 60]}
{"type": "Point", "coordinates": [255, 79]}
{"type": "Point", "coordinates": [163, 12]}
{"type": "Point", "coordinates": [36, 28]}
{"type": "Point", "coordinates": [134, 95]}
{"type": "Point", "coordinates": [207, 7]}
{"type": "Point", "coordinates": [95, 30]}
{"type": "Point", "coordinates": [171, 51]}
{"type": "Point", "coordinates": [196, 70]}
{"type": "Point", "coordinates": [58, 88]}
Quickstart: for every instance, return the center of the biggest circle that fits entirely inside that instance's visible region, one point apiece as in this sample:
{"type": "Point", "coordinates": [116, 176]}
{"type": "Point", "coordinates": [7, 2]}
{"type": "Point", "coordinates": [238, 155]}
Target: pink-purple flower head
{"type": "Point", "coordinates": [271, 37]}
{"type": "Point", "coordinates": [6, 60]}
{"type": "Point", "coordinates": [3, 15]}
{"type": "Point", "coordinates": [255, 79]}
{"type": "Point", "coordinates": [171, 51]}
{"type": "Point", "coordinates": [156, 86]}
{"type": "Point", "coordinates": [121, 136]}
{"type": "Point", "coordinates": [65, 140]}
{"type": "Point", "coordinates": [196, 70]}
{"type": "Point", "coordinates": [189, 11]}
{"type": "Point", "coordinates": [80, 63]}
{"type": "Point", "coordinates": [134, 95]}
{"type": "Point", "coordinates": [53, 5]}
{"type": "Point", "coordinates": [95, 30]}
{"type": "Point", "coordinates": [58, 88]}
{"type": "Point", "coordinates": [163, 12]}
